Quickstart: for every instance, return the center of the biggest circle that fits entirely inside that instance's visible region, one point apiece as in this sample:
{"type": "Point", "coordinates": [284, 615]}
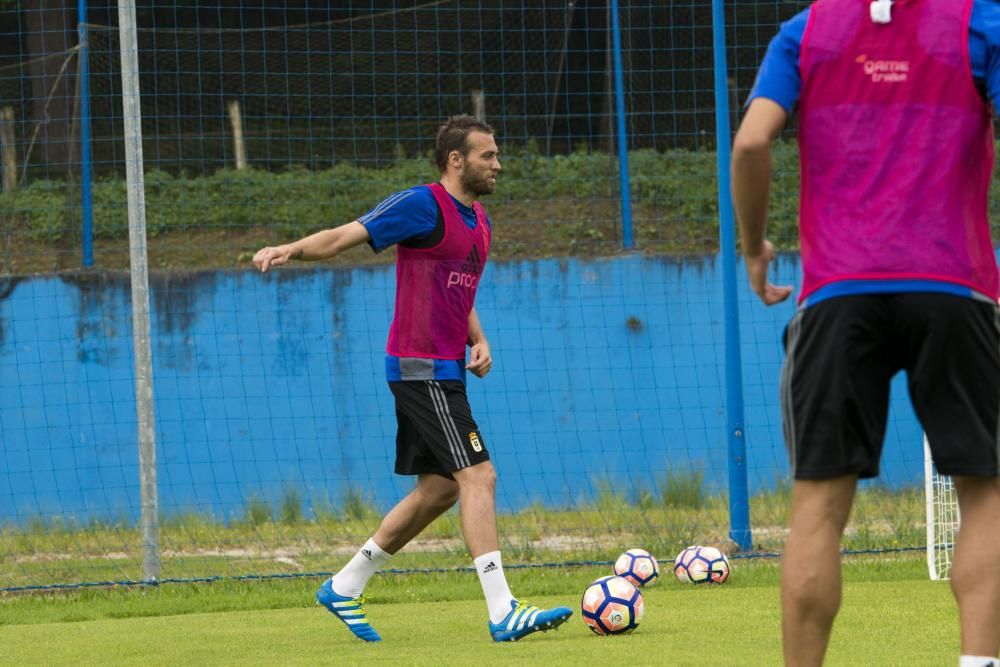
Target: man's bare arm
{"type": "Point", "coordinates": [321, 245]}
{"type": "Point", "coordinates": [751, 183]}
{"type": "Point", "coordinates": [480, 357]}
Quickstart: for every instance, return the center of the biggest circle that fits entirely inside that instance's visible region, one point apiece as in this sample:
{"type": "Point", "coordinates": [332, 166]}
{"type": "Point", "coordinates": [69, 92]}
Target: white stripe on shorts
{"type": "Point", "coordinates": [787, 403]}
{"type": "Point", "coordinates": [448, 425]}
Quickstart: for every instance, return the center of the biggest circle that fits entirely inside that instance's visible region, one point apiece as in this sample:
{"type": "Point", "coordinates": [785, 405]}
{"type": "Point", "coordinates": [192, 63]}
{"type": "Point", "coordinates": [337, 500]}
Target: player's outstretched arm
{"type": "Point", "coordinates": [480, 359]}
{"type": "Point", "coordinates": [751, 182]}
{"type": "Point", "coordinates": [321, 245]}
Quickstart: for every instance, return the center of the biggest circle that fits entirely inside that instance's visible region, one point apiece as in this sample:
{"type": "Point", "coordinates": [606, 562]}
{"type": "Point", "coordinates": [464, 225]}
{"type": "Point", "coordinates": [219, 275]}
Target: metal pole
{"type": "Point", "coordinates": [86, 201]}
{"type": "Point", "coordinates": [132, 115]}
{"type": "Point", "coordinates": [8, 148]}
{"type": "Point", "coordinates": [479, 104]}
{"type": "Point", "coordinates": [739, 497]}
{"type": "Point", "coordinates": [239, 144]}
{"type": "Point", "coordinates": [567, 26]}
{"type": "Point", "coordinates": [929, 509]}
{"type": "Point", "coordinates": [626, 192]}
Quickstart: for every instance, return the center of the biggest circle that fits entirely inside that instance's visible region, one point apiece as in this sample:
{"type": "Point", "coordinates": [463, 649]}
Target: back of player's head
{"type": "Point", "coordinates": [453, 135]}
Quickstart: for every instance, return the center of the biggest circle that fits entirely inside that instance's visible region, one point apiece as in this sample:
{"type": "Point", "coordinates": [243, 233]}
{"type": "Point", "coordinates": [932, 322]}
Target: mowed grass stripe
{"type": "Point", "coordinates": [230, 595]}
{"type": "Point", "coordinates": [882, 623]}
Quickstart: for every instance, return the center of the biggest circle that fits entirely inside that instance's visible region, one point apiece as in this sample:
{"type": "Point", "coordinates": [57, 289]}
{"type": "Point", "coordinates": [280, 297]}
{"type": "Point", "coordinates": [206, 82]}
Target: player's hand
{"type": "Point", "coordinates": [480, 359]}
{"type": "Point", "coordinates": [757, 269]}
{"type": "Point", "coordinates": [268, 257]}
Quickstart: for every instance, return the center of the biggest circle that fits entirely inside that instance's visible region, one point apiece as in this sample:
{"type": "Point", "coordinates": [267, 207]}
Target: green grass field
{"type": "Point", "coordinates": [892, 615]}
{"type": "Point", "coordinates": [269, 541]}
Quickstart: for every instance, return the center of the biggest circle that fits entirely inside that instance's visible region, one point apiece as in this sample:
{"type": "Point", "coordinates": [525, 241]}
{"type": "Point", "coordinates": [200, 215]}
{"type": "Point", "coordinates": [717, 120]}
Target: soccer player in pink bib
{"type": "Point", "coordinates": [899, 273]}
{"type": "Point", "coordinates": [443, 236]}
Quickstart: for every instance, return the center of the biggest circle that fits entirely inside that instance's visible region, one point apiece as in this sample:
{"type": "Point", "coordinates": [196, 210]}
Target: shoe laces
{"type": "Point", "coordinates": [521, 604]}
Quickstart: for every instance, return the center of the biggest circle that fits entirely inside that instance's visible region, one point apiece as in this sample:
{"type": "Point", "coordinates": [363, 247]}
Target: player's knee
{"type": "Point", "coordinates": [805, 603]}
{"type": "Point", "coordinates": [437, 493]}
{"type": "Point", "coordinates": [444, 498]}
{"type": "Point", "coordinates": [807, 593]}
{"type": "Point", "coordinates": [482, 475]}
{"type": "Point", "coordinates": [965, 580]}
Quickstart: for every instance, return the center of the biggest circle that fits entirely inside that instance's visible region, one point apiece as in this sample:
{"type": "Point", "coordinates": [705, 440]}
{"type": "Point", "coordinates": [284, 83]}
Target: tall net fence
{"type": "Point", "coordinates": [251, 128]}
{"type": "Point", "coordinates": [605, 416]}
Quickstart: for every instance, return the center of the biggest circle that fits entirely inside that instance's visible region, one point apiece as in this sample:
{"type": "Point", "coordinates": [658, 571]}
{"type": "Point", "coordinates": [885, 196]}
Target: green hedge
{"type": "Point", "coordinates": [670, 191]}
{"type": "Point", "coordinates": [297, 200]}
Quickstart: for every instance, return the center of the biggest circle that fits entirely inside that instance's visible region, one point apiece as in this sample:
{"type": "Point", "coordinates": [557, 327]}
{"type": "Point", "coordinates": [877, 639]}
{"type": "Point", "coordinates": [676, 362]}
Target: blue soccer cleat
{"type": "Point", "coordinates": [350, 610]}
{"type": "Point", "coordinates": [525, 618]}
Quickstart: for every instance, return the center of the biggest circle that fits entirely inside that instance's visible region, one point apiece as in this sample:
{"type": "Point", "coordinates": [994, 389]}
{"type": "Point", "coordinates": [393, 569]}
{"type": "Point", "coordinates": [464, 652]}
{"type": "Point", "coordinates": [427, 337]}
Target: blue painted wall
{"type": "Point", "coordinates": [604, 370]}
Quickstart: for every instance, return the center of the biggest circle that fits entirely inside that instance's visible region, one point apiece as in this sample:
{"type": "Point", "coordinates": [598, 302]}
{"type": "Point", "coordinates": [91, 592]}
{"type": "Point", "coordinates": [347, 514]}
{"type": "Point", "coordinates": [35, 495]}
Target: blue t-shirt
{"type": "Point", "coordinates": [407, 216]}
{"type": "Point", "coordinates": [780, 81]}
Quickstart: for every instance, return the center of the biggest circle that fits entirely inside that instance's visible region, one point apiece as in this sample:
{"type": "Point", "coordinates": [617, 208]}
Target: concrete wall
{"type": "Point", "coordinates": [604, 371]}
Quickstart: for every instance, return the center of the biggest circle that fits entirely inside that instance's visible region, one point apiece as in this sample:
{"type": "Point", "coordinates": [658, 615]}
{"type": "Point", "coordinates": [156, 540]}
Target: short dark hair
{"type": "Point", "coordinates": [452, 137]}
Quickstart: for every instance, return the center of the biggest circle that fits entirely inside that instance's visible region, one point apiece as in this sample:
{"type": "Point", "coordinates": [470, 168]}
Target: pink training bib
{"type": "Point", "coordinates": [896, 148]}
{"type": "Point", "coordinates": [436, 287]}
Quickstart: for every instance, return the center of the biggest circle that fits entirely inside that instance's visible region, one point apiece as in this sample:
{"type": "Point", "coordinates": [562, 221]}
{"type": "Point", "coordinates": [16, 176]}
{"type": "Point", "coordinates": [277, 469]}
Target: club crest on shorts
{"type": "Point", "coordinates": [474, 441]}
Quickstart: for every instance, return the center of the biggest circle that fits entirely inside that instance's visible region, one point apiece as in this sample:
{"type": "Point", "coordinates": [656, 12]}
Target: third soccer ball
{"type": "Point", "coordinates": [612, 606]}
{"type": "Point", "coordinates": [701, 565]}
{"type": "Point", "coordinates": [638, 566]}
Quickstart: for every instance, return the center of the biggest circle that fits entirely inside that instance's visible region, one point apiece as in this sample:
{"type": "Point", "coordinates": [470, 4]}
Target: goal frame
{"type": "Point", "coordinates": [943, 518]}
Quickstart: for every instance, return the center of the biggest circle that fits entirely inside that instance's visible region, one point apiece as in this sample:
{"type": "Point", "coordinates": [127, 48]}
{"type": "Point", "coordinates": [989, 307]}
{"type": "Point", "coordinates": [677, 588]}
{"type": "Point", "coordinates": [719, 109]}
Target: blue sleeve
{"type": "Point", "coordinates": [409, 214]}
{"type": "Point", "coordinates": [984, 47]}
{"type": "Point", "coordinates": [778, 78]}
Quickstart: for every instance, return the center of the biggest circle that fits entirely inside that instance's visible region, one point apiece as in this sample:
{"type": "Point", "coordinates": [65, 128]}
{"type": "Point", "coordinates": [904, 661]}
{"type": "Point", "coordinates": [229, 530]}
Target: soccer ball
{"type": "Point", "coordinates": [638, 566]}
{"type": "Point", "coordinates": [701, 565]}
{"type": "Point", "coordinates": [612, 606]}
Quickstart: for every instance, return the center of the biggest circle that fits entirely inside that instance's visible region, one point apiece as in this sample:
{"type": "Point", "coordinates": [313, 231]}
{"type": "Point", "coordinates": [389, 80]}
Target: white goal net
{"type": "Point", "coordinates": [942, 518]}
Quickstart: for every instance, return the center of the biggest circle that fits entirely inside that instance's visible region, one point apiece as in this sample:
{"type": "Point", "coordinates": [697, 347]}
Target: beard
{"type": "Point", "coordinates": [478, 184]}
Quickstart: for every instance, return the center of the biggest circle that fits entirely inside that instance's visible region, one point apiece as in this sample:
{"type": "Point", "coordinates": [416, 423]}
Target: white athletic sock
{"type": "Point", "coordinates": [494, 583]}
{"type": "Point", "coordinates": [351, 580]}
{"type": "Point", "coordinates": [978, 661]}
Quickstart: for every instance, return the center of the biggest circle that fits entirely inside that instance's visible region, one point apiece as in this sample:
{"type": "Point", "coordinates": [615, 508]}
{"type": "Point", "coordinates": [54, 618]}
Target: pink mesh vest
{"type": "Point", "coordinates": [896, 148]}
{"type": "Point", "coordinates": [436, 287]}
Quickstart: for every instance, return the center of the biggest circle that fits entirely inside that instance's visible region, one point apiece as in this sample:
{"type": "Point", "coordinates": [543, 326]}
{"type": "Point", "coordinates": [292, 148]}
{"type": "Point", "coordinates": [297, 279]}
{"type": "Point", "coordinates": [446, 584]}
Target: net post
{"type": "Point", "coordinates": [626, 193]}
{"type": "Point", "coordinates": [139, 270]}
{"type": "Point", "coordinates": [8, 148]}
{"type": "Point", "coordinates": [478, 105]}
{"type": "Point", "coordinates": [239, 144]}
{"type": "Point", "coordinates": [739, 496]}
{"type": "Point", "coordinates": [930, 514]}
{"type": "Point", "coordinates": [86, 198]}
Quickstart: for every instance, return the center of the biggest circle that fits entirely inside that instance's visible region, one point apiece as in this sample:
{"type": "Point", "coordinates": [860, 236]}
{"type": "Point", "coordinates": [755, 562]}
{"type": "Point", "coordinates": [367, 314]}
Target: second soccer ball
{"type": "Point", "coordinates": [638, 566]}
{"type": "Point", "coordinates": [612, 606]}
{"type": "Point", "coordinates": [701, 565]}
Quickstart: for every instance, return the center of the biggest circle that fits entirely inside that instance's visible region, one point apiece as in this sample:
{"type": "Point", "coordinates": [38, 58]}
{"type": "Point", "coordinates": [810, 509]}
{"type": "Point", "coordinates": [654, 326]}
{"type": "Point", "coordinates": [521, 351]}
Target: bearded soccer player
{"type": "Point", "coordinates": [443, 238]}
{"type": "Point", "coordinates": [899, 273]}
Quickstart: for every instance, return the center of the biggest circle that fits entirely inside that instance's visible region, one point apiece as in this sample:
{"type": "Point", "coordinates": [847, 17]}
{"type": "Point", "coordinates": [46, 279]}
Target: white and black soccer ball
{"type": "Point", "coordinates": [702, 565]}
{"type": "Point", "coordinates": [612, 606]}
{"type": "Point", "coordinates": [638, 566]}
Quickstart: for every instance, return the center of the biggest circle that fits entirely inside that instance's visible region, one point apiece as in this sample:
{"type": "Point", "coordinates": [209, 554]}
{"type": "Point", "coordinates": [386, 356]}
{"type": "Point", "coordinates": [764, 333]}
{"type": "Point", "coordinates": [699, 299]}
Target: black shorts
{"type": "Point", "coordinates": [437, 433]}
{"type": "Point", "coordinates": [840, 356]}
